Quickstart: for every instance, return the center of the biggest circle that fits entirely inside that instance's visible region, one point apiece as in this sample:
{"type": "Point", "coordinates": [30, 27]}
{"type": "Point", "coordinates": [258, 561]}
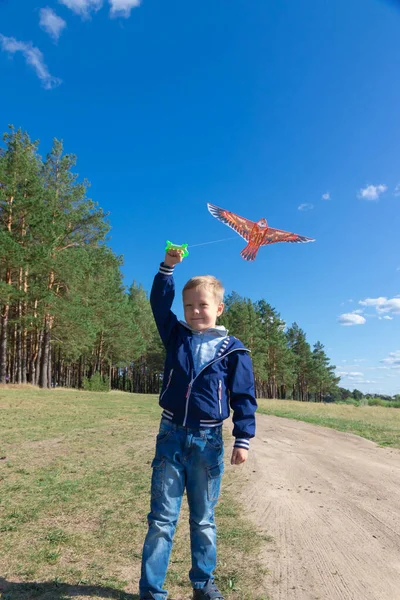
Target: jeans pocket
{"type": "Point", "coordinates": [214, 439]}
{"type": "Point", "coordinates": [164, 431]}
{"type": "Point", "coordinates": [157, 479]}
{"type": "Point", "coordinates": [162, 435]}
{"type": "Point", "coordinates": [214, 476]}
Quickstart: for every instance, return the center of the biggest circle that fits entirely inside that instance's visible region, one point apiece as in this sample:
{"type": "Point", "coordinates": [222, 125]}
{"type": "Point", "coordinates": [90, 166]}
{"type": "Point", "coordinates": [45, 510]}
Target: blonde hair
{"type": "Point", "coordinates": [209, 282]}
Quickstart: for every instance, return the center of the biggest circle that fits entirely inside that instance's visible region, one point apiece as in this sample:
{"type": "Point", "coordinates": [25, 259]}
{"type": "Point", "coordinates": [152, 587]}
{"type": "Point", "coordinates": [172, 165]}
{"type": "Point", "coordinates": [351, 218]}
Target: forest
{"type": "Point", "coordinates": [68, 318]}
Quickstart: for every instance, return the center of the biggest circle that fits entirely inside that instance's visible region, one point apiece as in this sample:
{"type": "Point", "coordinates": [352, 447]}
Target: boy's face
{"type": "Point", "coordinates": [201, 308]}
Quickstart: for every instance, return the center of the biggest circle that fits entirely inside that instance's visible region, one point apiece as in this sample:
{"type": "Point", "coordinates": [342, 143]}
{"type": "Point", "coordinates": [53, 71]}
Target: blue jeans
{"type": "Point", "coordinates": [192, 459]}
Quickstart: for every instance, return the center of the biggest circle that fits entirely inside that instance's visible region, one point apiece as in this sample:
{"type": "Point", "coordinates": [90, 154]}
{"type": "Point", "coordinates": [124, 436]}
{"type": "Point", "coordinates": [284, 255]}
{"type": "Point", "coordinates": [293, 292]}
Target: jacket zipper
{"type": "Point", "coordinates": [189, 390]}
{"type": "Point", "coordinates": [167, 386]}
{"type": "Point", "coordinates": [220, 397]}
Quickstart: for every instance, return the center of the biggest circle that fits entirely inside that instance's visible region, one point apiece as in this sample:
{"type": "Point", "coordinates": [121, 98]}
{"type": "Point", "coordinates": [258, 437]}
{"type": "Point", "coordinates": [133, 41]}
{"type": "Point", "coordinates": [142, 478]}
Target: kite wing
{"type": "Point", "coordinates": [241, 225]}
{"type": "Point", "coordinates": [277, 235]}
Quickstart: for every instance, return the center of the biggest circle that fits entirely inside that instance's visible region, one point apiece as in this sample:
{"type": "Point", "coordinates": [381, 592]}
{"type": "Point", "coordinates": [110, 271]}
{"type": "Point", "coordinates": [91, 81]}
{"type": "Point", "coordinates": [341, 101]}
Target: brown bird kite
{"type": "Point", "coordinates": [256, 234]}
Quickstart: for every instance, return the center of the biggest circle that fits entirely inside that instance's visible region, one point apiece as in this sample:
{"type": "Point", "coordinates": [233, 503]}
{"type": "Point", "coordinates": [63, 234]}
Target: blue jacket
{"type": "Point", "coordinates": [204, 399]}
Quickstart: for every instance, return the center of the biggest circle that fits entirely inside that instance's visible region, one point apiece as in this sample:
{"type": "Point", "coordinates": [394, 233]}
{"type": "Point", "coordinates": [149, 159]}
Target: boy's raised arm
{"type": "Point", "coordinates": [162, 295]}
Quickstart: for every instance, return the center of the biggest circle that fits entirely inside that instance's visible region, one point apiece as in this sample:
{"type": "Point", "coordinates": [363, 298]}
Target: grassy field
{"type": "Point", "coordinates": [74, 495]}
{"type": "Point", "coordinates": [381, 425]}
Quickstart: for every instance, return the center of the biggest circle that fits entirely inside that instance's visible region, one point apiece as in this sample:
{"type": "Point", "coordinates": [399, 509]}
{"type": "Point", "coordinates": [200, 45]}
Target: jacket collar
{"type": "Point", "coordinates": [218, 330]}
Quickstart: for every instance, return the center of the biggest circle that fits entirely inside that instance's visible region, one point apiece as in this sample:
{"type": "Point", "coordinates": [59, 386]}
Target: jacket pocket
{"type": "Point", "coordinates": [168, 384]}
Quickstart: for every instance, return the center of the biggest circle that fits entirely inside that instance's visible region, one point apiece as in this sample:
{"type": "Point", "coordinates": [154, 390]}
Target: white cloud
{"type": "Point", "coordinates": [122, 8]}
{"type": "Point", "coordinates": [350, 374]}
{"type": "Point", "coordinates": [33, 57]}
{"type": "Point", "coordinates": [351, 319]}
{"type": "Point", "coordinates": [306, 206]}
{"type": "Point", "coordinates": [118, 8]}
{"type": "Point", "coordinates": [383, 305]}
{"type": "Point", "coordinates": [397, 190]}
{"type": "Point", "coordinates": [355, 377]}
{"type": "Point", "coordinates": [372, 192]}
{"type": "Point", "coordinates": [393, 359]}
{"type": "Point", "coordinates": [386, 317]}
{"type": "Point", "coordinates": [373, 301]}
{"type": "Point", "coordinates": [326, 196]}
{"type": "Point", "coordinates": [51, 23]}
{"type": "Point", "coordinates": [82, 7]}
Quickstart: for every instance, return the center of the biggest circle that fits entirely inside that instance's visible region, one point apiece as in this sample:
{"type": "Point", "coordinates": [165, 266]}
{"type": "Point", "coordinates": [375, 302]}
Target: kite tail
{"type": "Point", "coordinates": [250, 252]}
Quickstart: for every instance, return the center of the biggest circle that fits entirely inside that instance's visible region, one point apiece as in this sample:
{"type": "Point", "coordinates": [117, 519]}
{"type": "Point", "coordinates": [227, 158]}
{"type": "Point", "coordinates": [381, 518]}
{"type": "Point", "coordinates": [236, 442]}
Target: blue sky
{"type": "Point", "coordinates": [286, 110]}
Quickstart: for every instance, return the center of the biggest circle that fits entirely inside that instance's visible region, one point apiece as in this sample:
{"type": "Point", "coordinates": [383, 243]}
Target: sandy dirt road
{"type": "Point", "coordinates": [331, 502]}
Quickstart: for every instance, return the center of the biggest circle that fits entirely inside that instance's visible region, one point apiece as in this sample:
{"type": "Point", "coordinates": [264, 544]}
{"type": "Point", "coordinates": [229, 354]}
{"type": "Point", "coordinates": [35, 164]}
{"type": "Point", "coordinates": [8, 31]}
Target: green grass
{"type": "Point", "coordinates": [376, 423]}
{"type": "Point", "coordinates": [74, 496]}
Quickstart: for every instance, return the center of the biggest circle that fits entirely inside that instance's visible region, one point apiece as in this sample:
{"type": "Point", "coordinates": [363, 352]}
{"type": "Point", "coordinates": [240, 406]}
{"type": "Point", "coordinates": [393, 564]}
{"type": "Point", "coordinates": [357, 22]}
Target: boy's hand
{"type": "Point", "coordinates": [173, 257]}
{"type": "Point", "coordinates": [239, 456]}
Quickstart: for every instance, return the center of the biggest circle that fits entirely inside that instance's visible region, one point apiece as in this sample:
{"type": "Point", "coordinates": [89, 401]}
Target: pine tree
{"type": "Point", "coordinates": [323, 379]}
{"type": "Point", "coordinates": [19, 192]}
{"type": "Point", "coordinates": [149, 358]}
{"type": "Point", "coordinates": [279, 359]}
{"type": "Point", "coordinates": [71, 221]}
{"type": "Point", "coordinates": [302, 364]}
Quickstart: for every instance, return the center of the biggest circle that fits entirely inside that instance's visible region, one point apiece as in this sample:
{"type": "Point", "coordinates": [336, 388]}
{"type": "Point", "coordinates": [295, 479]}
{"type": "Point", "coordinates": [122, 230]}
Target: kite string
{"type": "Point", "coordinates": [214, 242]}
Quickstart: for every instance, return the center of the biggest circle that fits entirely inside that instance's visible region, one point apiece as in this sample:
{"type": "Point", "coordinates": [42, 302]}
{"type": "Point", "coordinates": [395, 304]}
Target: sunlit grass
{"type": "Point", "coordinates": [74, 497]}
{"type": "Point", "coordinates": [376, 423]}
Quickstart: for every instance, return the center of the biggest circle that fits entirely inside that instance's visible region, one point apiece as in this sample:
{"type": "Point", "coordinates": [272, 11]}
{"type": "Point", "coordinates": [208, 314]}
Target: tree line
{"type": "Point", "coordinates": [341, 394]}
{"type": "Point", "coordinates": [284, 364]}
{"type": "Point", "coordinates": [68, 320]}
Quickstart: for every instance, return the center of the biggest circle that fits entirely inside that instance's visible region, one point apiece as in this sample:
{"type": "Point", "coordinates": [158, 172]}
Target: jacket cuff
{"type": "Point", "coordinates": [242, 443]}
{"type": "Point", "coordinates": [165, 269]}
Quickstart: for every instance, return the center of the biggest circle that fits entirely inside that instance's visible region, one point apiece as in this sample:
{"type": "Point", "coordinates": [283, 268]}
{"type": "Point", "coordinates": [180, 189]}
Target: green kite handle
{"type": "Point", "coordinates": [183, 247]}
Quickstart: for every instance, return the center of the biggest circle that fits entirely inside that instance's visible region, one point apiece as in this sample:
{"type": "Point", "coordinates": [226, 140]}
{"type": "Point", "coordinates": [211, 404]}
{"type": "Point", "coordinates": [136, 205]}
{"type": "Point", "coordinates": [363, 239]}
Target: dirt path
{"type": "Point", "coordinates": [331, 501]}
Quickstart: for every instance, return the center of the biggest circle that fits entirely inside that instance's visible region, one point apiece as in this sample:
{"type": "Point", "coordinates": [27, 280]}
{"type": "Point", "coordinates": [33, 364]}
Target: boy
{"type": "Point", "coordinates": [205, 371]}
